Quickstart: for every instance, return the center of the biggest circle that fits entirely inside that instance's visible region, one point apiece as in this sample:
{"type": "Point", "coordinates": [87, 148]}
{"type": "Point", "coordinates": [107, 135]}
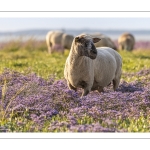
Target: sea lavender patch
{"type": "Point", "coordinates": [50, 102]}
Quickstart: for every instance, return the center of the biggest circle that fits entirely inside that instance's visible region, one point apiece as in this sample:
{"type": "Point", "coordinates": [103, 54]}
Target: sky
{"type": "Point", "coordinates": [17, 24]}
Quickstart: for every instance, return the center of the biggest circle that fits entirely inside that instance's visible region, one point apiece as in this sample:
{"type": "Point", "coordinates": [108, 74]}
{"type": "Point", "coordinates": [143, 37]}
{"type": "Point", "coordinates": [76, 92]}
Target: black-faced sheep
{"type": "Point", "coordinates": [58, 41]}
{"type": "Point", "coordinates": [91, 68]}
{"type": "Point", "coordinates": [126, 42]}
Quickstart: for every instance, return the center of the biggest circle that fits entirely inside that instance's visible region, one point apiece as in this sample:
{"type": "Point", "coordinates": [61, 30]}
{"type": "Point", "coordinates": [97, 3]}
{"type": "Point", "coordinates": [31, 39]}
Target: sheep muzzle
{"type": "Point", "coordinates": [93, 52]}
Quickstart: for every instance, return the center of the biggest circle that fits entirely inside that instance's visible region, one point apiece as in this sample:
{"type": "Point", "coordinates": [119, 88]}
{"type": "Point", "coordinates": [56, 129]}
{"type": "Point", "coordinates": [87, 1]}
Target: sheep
{"type": "Point", "coordinates": [91, 68]}
{"type": "Point", "coordinates": [58, 41]}
{"type": "Point", "coordinates": [126, 42]}
{"type": "Point", "coordinates": [67, 40]}
{"type": "Point", "coordinates": [53, 40]}
{"type": "Point", "coordinates": [105, 41]}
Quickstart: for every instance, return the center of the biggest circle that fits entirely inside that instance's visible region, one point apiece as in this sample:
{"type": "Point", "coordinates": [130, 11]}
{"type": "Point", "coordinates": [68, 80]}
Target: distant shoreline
{"type": "Point", "coordinates": [7, 38]}
{"type": "Point", "coordinates": [39, 34]}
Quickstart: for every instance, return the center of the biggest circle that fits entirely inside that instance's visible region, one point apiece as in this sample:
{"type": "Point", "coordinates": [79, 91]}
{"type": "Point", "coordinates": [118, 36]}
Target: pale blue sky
{"type": "Point", "coordinates": [15, 24]}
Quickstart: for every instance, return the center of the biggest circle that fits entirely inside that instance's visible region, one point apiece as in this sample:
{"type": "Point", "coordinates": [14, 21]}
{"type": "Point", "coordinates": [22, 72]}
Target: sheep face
{"type": "Point", "coordinates": [84, 46]}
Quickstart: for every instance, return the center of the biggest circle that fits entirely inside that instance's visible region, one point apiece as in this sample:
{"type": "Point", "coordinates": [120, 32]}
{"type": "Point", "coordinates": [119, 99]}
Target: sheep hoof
{"type": "Point", "coordinates": [100, 89]}
{"type": "Point", "coordinates": [115, 84]}
{"type": "Point", "coordinates": [85, 93]}
{"type": "Point", "coordinates": [71, 87]}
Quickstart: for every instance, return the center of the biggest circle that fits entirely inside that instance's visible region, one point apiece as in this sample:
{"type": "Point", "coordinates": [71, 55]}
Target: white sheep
{"type": "Point", "coordinates": [90, 68]}
{"type": "Point", "coordinates": [126, 42]}
{"type": "Point", "coordinates": [58, 41]}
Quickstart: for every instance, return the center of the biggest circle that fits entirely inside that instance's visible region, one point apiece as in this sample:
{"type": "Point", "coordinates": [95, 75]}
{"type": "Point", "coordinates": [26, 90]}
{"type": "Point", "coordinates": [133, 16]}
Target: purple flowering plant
{"type": "Point", "coordinates": [34, 101]}
{"type": "Point", "coordinates": [30, 103]}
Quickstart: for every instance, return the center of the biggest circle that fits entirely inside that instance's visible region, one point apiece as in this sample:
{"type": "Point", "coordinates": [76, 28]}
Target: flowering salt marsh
{"type": "Point", "coordinates": [35, 96]}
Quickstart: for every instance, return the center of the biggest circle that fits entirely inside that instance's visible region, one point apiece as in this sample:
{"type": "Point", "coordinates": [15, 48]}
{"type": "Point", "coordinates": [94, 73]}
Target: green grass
{"type": "Point", "coordinates": [25, 59]}
{"type": "Point", "coordinates": [35, 58]}
{"type": "Point", "coordinates": [136, 60]}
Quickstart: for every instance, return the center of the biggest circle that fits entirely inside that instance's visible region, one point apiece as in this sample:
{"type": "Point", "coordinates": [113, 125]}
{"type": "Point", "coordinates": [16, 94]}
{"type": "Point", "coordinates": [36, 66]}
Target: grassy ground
{"type": "Point", "coordinates": [33, 57]}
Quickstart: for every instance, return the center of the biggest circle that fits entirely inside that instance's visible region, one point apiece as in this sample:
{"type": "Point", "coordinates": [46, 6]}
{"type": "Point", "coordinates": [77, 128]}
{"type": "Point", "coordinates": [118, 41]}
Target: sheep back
{"type": "Point", "coordinates": [105, 41]}
{"type": "Point", "coordinates": [56, 38]}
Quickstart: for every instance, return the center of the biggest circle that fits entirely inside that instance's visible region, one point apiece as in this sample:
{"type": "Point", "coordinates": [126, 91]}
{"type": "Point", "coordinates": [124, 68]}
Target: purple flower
{"type": "Point", "coordinates": [51, 101]}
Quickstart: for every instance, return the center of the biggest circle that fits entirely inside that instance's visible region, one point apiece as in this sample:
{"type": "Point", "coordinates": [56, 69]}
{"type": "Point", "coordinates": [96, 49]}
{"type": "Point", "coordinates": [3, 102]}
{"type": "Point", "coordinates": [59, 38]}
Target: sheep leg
{"type": "Point", "coordinates": [71, 87]}
{"type": "Point", "coordinates": [100, 89]}
{"type": "Point", "coordinates": [50, 48]}
{"type": "Point", "coordinates": [121, 47]}
{"type": "Point", "coordinates": [85, 92]}
{"type": "Point", "coordinates": [116, 84]}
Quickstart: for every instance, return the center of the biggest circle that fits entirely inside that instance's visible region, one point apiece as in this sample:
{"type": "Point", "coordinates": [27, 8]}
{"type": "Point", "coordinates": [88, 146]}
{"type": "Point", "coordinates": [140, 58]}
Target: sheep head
{"type": "Point", "coordinates": [84, 45]}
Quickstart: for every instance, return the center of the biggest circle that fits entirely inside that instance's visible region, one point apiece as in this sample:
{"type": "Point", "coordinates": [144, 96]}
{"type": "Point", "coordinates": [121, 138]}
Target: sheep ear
{"type": "Point", "coordinates": [77, 39]}
{"type": "Point", "coordinates": [95, 40]}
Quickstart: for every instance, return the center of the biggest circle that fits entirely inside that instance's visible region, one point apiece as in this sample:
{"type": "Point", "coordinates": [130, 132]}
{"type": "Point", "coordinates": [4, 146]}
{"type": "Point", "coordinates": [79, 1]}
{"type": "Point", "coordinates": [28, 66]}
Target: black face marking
{"type": "Point", "coordinates": [85, 46]}
{"type": "Point", "coordinates": [94, 51]}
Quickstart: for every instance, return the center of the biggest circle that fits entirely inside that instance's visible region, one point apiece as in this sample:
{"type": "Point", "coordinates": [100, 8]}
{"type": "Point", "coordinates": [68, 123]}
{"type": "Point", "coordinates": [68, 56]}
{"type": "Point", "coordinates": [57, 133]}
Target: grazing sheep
{"type": "Point", "coordinates": [126, 42]}
{"type": "Point", "coordinates": [105, 41]}
{"type": "Point", "coordinates": [58, 41]}
{"type": "Point", "coordinates": [67, 41]}
{"type": "Point", "coordinates": [90, 68]}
